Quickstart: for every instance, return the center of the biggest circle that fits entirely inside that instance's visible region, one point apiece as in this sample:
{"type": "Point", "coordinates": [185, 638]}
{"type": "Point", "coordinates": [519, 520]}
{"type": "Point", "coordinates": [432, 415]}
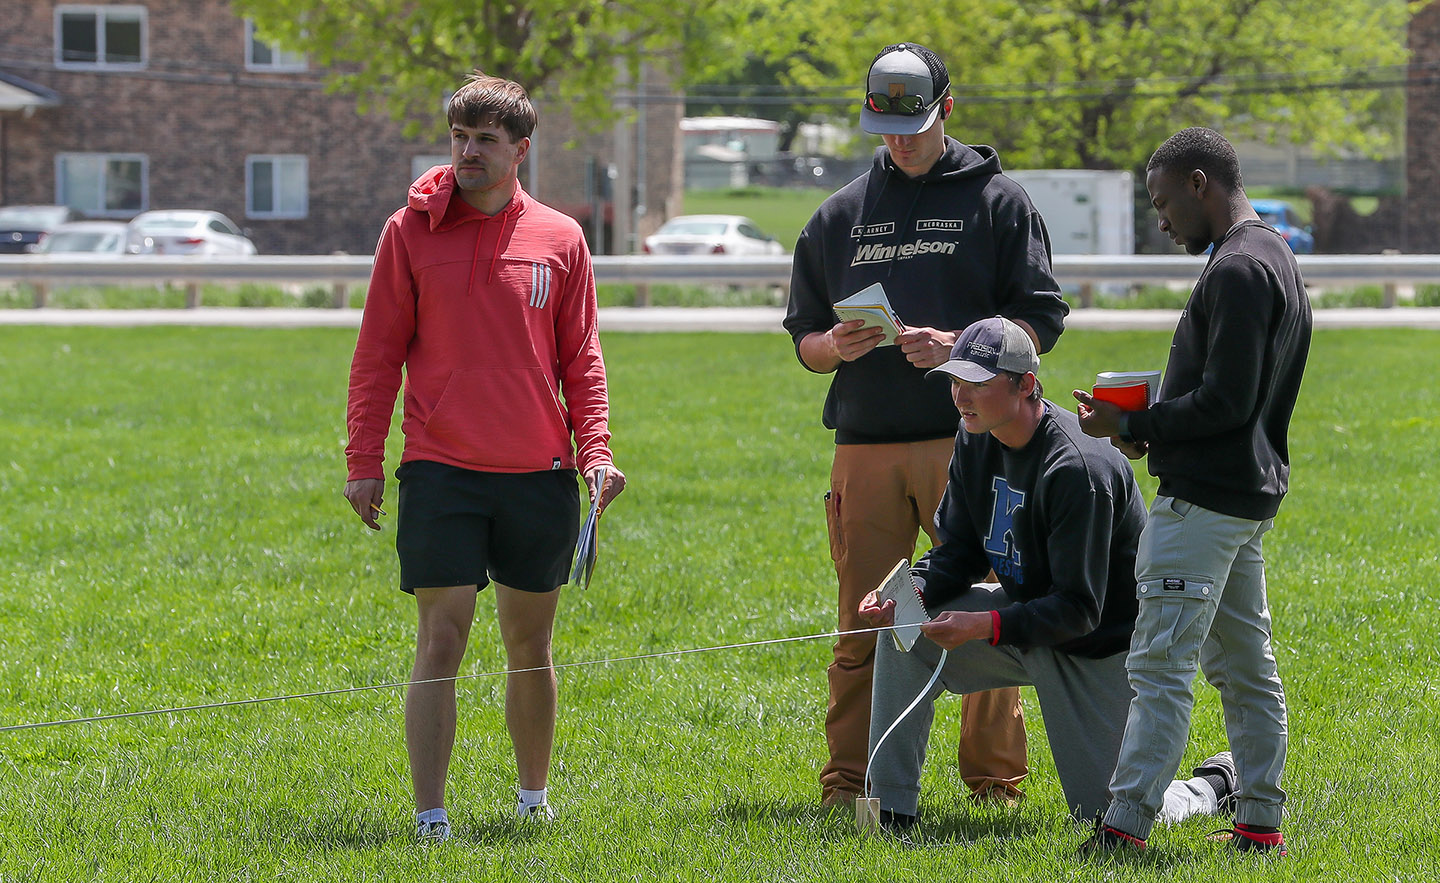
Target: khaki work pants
{"type": "Point", "coordinates": [881, 497]}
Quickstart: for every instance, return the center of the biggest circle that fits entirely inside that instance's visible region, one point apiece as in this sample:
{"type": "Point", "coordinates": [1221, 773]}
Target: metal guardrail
{"type": "Point", "coordinates": [44, 272]}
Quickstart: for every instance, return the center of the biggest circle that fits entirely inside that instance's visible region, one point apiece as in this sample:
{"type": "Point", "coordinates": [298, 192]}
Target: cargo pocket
{"type": "Point", "coordinates": [1175, 616]}
{"type": "Point", "coordinates": [832, 523]}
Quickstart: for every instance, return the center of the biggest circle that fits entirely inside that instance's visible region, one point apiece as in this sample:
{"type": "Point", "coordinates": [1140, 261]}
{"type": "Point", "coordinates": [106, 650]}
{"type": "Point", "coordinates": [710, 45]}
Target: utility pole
{"type": "Point", "coordinates": [623, 192]}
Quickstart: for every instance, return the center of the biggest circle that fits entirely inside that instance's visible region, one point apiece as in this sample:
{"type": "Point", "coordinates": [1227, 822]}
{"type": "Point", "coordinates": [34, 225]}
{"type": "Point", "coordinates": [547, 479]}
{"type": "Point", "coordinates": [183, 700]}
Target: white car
{"type": "Point", "coordinates": [711, 234]}
{"type": "Point", "coordinates": [22, 227]}
{"type": "Point", "coordinates": [186, 232]}
{"type": "Point", "coordinates": [100, 238]}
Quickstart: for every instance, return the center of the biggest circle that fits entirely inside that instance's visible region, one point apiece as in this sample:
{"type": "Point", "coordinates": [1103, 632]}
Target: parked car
{"type": "Point", "coordinates": [1281, 215]}
{"type": "Point", "coordinates": [187, 232]}
{"type": "Point", "coordinates": [87, 237]}
{"type": "Point", "coordinates": [711, 234]}
{"type": "Point", "coordinates": [23, 226]}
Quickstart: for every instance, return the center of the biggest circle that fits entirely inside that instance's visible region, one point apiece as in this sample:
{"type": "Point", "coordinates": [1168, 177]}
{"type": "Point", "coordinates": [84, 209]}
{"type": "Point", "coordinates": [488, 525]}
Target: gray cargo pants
{"type": "Point", "coordinates": [1201, 582]}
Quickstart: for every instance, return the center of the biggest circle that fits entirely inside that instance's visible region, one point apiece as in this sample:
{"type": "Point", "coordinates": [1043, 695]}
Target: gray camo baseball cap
{"type": "Point", "coordinates": [904, 69]}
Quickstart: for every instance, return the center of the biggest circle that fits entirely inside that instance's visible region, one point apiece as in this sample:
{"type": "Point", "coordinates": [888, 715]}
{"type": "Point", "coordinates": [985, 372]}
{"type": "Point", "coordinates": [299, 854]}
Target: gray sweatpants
{"type": "Point", "coordinates": [1201, 581]}
{"type": "Point", "coordinates": [1083, 701]}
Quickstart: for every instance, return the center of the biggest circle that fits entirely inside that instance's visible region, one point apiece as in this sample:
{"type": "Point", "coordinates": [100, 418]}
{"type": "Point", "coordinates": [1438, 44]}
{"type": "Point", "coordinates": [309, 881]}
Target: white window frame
{"type": "Point", "coordinates": [101, 13]}
{"type": "Point", "coordinates": [100, 211]}
{"type": "Point", "coordinates": [421, 163]}
{"type": "Point", "coordinates": [285, 60]}
{"type": "Point", "coordinates": [276, 159]}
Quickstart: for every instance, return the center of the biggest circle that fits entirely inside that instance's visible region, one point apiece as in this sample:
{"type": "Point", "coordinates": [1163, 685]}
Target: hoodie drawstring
{"type": "Point", "coordinates": [475, 258]}
{"type": "Point", "coordinates": [904, 226]}
{"type": "Point", "coordinates": [875, 205]}
{"type": "Point", "coordinates": [499, 244]}
{"type": "Point", "coordinates": [495, 256]}
{"type": "Point", "coordinates": [434, 194]}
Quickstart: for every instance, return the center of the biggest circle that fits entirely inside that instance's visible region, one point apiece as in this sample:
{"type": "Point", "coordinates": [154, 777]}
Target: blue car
{"type": "Point", "coordinates": [1281, 215]}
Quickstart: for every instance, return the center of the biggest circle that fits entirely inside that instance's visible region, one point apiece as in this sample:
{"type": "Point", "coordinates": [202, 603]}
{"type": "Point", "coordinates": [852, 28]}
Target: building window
{"type": "Point", "coordinates": [277, 186]}
{"type": "Point", "coordinates": [111, 185]}
{"type": "Point", "coordinates": [262, 56]}
{"type": "Point", "coordinates": [421, 164]}
{"type": "Point", "coordinates": [100, 36]}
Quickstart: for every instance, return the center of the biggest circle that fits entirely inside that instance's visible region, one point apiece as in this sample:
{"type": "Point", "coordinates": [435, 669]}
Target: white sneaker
{"type": "Point", "coordinates": [539, 812]}
{"type": "Point", "coordinates": [430, 833]}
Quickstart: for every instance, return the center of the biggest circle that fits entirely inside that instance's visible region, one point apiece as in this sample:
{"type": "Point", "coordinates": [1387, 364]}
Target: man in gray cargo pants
{"type": "Point", "coordinates": [1217, 438]}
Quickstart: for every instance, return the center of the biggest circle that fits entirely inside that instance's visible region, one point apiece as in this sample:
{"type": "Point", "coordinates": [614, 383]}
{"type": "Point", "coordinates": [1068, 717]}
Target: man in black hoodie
{"type": "Point", "coordinates": [1217, 440]}
{"type": "Point", "coordinates": [967, 244]}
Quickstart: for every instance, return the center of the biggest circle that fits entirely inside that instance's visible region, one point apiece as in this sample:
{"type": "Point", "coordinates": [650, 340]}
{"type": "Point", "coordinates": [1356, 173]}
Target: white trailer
{"type": "Point", "coordinates": [1085, 211]}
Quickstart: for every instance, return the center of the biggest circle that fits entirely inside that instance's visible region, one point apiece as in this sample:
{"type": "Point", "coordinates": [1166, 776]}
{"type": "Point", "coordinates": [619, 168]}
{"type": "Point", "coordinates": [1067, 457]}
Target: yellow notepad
{"type": "Point", "coordinates": [873, 306]}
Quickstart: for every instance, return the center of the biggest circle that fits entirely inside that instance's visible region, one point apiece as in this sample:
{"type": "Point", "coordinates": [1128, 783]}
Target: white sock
{"type": "Point", "coordinates": [431, 815]}
{"type": "Point", "coordinates": [530, 798]}
{"type": "Point", "coordinates": [1209, 789]}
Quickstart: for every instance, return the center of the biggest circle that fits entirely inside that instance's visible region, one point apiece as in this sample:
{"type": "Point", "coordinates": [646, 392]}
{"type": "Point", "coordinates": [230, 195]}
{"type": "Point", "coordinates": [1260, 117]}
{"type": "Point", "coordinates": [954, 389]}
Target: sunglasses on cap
{"type": "Point", "coordinates": [905, 105]}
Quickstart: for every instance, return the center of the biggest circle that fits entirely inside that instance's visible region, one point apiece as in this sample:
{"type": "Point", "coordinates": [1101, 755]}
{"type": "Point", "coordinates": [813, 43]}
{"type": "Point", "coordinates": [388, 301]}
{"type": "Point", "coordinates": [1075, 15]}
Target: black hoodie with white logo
{"type": "Point", "coordinates": [958, 244]}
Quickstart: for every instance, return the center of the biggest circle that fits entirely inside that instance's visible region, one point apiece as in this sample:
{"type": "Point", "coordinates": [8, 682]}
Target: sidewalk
{"type": "Point", "coordinates": [739, 319]}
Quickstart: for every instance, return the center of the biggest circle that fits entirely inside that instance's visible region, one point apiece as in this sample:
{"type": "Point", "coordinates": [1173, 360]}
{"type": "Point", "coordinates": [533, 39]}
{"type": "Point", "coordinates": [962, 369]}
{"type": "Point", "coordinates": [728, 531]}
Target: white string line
{"type": "Point", "coordinates": [392, 685]}
{"type": "Point", "coordinates": [924, 691]}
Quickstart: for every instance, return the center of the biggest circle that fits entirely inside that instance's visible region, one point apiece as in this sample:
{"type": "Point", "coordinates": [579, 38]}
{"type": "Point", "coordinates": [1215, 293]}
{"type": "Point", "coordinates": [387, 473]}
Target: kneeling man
{"type": "Point", "coordinates": [1057, 515]}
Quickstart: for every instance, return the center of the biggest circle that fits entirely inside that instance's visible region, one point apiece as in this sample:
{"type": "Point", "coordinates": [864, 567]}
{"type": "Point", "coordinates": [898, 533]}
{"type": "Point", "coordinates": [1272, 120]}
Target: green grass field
{"type": "Point", "coordinates": [780, 211]}
{"type": "Point", "coordinates": [173, 534]}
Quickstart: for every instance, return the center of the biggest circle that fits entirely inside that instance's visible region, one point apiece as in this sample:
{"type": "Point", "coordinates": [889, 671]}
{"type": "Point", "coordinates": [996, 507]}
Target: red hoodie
{"type": "Point", "coordinates": [491, 317]}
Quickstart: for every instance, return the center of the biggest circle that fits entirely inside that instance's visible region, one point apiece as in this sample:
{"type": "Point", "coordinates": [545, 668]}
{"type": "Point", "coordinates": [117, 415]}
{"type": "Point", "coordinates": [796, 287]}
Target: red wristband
{"type": "Point", "coordinates": [994, 627]}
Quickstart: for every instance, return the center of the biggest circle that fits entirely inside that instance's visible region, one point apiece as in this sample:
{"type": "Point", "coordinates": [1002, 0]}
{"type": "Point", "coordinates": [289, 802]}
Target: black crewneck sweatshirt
{"type": "Point", "coordinates": [1218, 430]}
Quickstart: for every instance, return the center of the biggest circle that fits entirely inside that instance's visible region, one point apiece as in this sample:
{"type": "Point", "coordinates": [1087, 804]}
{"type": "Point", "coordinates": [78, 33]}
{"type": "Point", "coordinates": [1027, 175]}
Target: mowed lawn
{"type": "Point", "coordinates": [780, 211]}
{"type": "Point", "coordinates": [173, 533]}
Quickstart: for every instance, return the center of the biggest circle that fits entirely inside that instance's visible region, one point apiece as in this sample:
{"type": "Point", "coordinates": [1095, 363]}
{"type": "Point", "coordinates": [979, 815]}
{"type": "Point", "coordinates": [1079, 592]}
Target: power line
{"type": "Point", "coordinates": [1374, 78]}
{"type": "Point", "coordinates": [1389, 71]}
{"type": "Point", "coordinates": [738, 98]}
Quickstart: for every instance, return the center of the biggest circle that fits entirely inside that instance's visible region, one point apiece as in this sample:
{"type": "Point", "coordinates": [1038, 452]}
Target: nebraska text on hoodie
{"type": "Point", "coordinates": [955, 245]}
{"type": "Point", "coordinates": [492, 319]}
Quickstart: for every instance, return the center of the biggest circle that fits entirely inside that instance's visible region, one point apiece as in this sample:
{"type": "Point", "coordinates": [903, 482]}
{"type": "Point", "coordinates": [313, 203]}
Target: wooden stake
{"type": "Point", "coordinates": [867, 816]}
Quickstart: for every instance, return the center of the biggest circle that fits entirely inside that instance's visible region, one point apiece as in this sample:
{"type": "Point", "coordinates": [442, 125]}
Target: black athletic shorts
{"type": "Point", "coordinates": [457, 527]}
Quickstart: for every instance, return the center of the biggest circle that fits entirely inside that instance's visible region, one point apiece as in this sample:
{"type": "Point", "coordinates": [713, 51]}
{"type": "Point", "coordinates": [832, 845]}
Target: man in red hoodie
{"type": "Point", "coordinates": [486, 299]}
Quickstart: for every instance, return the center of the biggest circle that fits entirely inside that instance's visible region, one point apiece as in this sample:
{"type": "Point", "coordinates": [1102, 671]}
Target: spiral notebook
{"type": "Point", "coordinates": [910, 609]}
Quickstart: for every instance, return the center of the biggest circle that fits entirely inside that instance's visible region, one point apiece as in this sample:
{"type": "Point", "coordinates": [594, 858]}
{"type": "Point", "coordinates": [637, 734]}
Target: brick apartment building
{"type": "Point", "coordinates": [1422, 135]}
{"type": "Point", "coordinates": [119, 107]}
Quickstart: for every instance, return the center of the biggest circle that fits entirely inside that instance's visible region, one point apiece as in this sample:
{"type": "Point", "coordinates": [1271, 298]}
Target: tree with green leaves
{"type": "Point", "coordinates": [1052, 83]}
{"type": "Point", "coordinates": [403, 56]}
{"type": "Point", "coordinates": [1101, 83]}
